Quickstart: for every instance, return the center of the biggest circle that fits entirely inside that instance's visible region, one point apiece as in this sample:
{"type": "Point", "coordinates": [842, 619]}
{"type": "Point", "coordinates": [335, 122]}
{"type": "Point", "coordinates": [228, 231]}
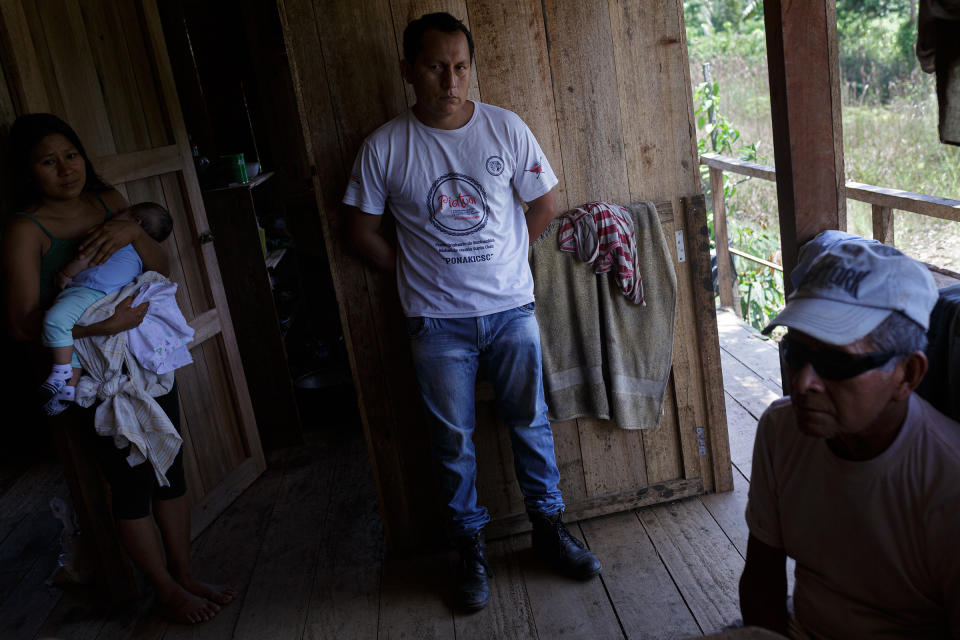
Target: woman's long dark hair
{"type": "Point", "coordinates": [27, 131]}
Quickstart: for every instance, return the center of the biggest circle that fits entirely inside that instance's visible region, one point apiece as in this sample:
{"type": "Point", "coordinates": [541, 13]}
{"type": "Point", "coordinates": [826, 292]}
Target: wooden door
{"type": "Point", "coordinates": [605, 88]}
{"type": "Point", "coordinates": [102, 66]}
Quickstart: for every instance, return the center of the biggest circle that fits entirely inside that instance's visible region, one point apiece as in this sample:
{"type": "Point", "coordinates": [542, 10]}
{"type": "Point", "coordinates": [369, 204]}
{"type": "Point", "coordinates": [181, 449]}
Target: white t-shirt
{"type": "Point", "coordinates": [874, 540]}
{"type": "Point", "coordinates": [456, 196]}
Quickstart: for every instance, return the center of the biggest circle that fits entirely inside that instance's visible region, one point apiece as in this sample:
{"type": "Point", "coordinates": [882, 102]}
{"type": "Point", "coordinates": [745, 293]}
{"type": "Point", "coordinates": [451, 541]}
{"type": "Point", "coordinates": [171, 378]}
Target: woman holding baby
{"type": "Point", "coordinates": [62, 211]}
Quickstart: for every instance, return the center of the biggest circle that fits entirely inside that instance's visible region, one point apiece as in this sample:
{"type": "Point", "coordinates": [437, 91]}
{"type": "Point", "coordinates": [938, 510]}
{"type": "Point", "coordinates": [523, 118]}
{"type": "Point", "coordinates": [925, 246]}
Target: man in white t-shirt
{"type": "Point", "coordinates": [854, 476]}
{"type": "Point", "coordinates": [455, 174]}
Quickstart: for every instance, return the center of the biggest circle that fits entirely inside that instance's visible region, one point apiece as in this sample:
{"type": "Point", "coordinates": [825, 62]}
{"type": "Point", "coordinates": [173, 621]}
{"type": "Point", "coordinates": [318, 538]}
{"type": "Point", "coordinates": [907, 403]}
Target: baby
{"type": "Point", "coordinates": [83, 285]}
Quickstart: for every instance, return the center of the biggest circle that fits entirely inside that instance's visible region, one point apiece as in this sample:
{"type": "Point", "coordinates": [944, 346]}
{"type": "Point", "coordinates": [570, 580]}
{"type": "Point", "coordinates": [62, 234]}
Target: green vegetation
{"type": "Point", "coordinates": [889, 126]}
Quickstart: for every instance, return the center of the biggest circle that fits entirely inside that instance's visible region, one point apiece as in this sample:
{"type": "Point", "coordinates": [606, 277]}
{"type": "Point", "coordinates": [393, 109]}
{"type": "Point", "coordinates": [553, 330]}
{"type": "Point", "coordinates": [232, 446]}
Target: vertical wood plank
{"type": "Point", "coordinates": [702, 561]}
{"type": "Point", "coordinates": [566, 608]}
{"type": "Point", "coordinates": [653, 84]}
{"type": "Point", "coordinates": [386, 336]}
{"type": "Point", "coordinates": [643, 594]}
{"type": "Point", "coordinates": [715, 426]}
{"type": "Point", "coordinates": [412, 595]}
{"type": "Point", "coordinates": [656, 106]}
{"type": "Point", "coordinates": [588, 112]}
{"type": "Point", "coordinates": [112, 60]}
{"type": "Point", "coordinates": [724, 276]}
{"type": "Point", "coordinates": [338, 107]}
{"type": "Point", "coordinates": [245, 525]}
{"type": "Point", "coordinates": [512, 52]}
{"type": "Point", "coordinates": [24, 76]}
{"type": "Point", "coordinates": [234, 397]}
{"type": "Point", "coordinates": [76, 76]}
{"type": "Point", "coordinates": [613, 457]}
{"type": "Point", "coordinates": [588, 120]}
{"type": "Point", "coordinates": [277, 599]}
{"type": "Point", "coordinates": [728, 509]}
{"type": "Point", "coordinates": [141, 52]}
{"type": "Point", "coordinates": [687, 386]}
{"type": "Point", "coordinates": [509, 614]}
{"type": "Point", "coordinates": [345, 596]}
{"type": "Point", "coordinates": [661, 446]}
{"type": "Point", "coordinates": [41, 51]}
{"type": "Point", "coordinates": [883, 224]}
{"type": "Point", "coordinates": [807, 133]}
{"type": "Point", "coordinates": [566, 447]}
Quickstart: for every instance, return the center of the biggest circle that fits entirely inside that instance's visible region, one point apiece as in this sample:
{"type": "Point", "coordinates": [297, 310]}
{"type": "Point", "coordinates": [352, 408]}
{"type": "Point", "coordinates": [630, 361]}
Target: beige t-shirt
{"type": "Point", "coordinates": [876, 541]}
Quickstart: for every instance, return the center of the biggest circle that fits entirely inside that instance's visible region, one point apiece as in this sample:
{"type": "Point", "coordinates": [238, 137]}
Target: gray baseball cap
{"type": "Point", "coordinates": [852, 287]}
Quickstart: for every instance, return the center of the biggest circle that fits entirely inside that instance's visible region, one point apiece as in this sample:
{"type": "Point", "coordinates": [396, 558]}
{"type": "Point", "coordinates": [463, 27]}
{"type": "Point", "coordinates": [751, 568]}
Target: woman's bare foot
{"type": "Point", "coordinates": [188, 608]}
{"type": "Point", "coordinates": [217, 593]}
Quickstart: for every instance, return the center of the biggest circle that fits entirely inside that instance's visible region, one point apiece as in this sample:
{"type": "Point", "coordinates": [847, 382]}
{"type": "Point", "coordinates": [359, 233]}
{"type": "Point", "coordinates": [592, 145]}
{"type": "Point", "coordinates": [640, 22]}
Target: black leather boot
{"type": "Point", "coordinates": [556, 545]}
{"type": "Point", "coordinates": [473, 590]}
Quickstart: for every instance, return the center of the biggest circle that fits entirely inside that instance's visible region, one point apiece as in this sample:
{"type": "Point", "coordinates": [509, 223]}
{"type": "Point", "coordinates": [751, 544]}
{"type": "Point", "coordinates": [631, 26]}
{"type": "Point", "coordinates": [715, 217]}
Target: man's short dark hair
{"type": "Point", "coordinates": [154, 219]}
{"type": "Point", "coordinates": [413, 34]}
{"type": "Point", "coordinates": [898, 334]}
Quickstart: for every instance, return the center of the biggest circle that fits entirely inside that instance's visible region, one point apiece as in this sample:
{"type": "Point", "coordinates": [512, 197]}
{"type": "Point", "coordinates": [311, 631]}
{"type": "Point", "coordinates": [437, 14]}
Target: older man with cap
{"type": "Point", "coordinates": [854, 476]}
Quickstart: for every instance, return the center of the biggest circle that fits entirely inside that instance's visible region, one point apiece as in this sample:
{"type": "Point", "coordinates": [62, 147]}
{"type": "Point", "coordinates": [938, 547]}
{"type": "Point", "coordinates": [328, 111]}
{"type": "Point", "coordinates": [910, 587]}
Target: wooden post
{"type": "Point", "coordinates": [729, 296]}
{"type": "Point", "coordinates": [883, 224]}
{"type": "Point", "coordinates": [807, 135]}
{"type": "Point", "coordinates": [715, 435]}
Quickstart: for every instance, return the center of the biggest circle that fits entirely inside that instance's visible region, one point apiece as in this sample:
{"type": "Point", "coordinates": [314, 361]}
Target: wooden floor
{"type": "Point", "coordinates": [304, 545]}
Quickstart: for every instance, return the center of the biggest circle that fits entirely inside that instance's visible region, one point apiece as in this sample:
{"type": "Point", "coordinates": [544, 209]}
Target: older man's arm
{"type": "Point", "coordinates": [943, 529]}
{"type": "Point", "coordinates": [763, 587]}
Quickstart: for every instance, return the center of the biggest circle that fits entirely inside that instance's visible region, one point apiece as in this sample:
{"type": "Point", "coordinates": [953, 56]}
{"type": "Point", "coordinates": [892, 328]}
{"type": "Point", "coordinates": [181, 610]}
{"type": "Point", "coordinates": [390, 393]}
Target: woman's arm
{"type": "Point", "coordinates": [22, 250]}
{"type": "Point", "coordinates": [124, 317]}
{"type": "Point", "coordinates": [104, 240]}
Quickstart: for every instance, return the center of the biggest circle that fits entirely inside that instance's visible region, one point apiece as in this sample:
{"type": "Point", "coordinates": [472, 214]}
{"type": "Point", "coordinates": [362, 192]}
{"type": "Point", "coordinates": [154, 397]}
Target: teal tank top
{"type": "Point", "coordinates": [61, 251]}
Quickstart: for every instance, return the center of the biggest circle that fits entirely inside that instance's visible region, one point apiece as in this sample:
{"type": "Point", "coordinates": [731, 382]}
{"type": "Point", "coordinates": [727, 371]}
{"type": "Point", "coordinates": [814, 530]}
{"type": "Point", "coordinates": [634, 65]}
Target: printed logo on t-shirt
{"type": "Point", "coordinates": [495, 165]}
{"type": "Point", "coordinates": [458, 205]}
{"type": "Point", "coordinates": [354, 178]}
{"type": "Point", "coordinates": [537, 169]}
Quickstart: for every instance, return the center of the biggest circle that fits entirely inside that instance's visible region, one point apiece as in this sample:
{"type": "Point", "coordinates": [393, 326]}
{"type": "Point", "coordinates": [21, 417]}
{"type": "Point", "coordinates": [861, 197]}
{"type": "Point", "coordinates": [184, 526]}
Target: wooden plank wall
{"type": "Point", "coordinates": [605, 88]}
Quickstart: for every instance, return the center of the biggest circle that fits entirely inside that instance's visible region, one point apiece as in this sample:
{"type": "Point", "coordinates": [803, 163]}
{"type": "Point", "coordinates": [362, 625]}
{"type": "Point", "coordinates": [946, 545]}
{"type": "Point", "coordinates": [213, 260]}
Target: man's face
{"type": "Point", "coordinates": [440, 77]}
{"type": "Point", "coordinates": [830, 408]}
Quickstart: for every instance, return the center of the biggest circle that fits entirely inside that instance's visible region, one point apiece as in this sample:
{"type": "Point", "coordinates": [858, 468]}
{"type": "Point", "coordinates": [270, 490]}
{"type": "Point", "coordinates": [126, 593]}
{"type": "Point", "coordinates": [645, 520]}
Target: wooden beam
{"type": "Point", "coordinates": [126, 167]}
{"type": "Point", "coordinates": [805, 105]}
{"type": "Point", "coordinates": [712, 437]}
{"type": "Point", "coordinates": [922, 203]}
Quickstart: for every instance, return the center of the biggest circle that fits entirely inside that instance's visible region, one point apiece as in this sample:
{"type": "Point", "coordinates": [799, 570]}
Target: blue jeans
{"type": "Point", "coordinates": [447, 353]}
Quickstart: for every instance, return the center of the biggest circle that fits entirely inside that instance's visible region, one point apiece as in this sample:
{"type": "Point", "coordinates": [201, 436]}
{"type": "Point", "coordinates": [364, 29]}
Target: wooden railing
{"type": "Point", "coordinates": [883, 200]}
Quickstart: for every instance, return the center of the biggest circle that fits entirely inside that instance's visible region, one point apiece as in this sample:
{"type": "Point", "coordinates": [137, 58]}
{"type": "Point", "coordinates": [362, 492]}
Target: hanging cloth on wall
{"type": "Point", "coordinates": [603, 355]}
{"type": "Point", "coordinates": [602, 234]}
{"type": "Point", "coordinates": [938, 50]}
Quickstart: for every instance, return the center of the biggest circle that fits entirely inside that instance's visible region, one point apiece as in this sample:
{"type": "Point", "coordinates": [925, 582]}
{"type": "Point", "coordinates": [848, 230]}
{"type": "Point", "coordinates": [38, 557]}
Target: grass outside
{"type": "Point", "coordinates": [889, 144]}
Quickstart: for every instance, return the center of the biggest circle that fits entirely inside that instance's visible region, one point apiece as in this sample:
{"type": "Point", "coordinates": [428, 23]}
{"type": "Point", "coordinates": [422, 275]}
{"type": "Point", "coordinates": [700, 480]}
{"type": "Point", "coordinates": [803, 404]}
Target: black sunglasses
{"type": "Point", "coordinates": [829, 363]}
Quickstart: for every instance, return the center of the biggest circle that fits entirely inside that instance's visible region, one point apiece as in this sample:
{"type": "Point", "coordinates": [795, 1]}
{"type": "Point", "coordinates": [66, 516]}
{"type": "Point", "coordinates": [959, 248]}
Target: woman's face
{"type": "Point", "coordinates": [58, 169]}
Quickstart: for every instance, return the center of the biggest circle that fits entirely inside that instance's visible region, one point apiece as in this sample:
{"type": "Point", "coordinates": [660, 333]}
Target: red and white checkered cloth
{"type": "Point", "coordinates": [602, 234]}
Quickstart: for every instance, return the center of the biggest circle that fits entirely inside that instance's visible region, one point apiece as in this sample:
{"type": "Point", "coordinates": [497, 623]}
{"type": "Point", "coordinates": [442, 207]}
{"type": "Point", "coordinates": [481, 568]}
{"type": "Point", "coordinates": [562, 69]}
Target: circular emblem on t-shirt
{"type": "Point", "coordinates": [495, 165]}
{"type": "Point", "coordinates": [458, 204]}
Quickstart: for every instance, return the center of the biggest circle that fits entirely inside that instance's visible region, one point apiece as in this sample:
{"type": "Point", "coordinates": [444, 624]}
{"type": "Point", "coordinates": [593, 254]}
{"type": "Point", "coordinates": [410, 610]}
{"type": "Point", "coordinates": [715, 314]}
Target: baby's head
{"type": "Point", "coordinates": [154, 219]}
